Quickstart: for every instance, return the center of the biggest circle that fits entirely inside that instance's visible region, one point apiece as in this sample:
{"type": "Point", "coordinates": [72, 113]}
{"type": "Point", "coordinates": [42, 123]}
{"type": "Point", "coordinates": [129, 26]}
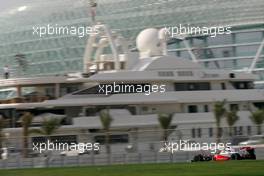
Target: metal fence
{"type": "Point", "coordinates": [127, 147]}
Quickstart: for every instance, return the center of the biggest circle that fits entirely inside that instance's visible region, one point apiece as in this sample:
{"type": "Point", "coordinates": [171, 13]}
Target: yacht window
{"type": "Point", "coordinates": [165, 73]}
{"type": "Point", "coordinates": [90, 111]}
{"type": "Point", "coordinates": [192, 109]}
{"type": "Point", "coordinates": [69, 139]}
{"type": "Point", "coordinates": [114, 139]}
{"type": "Point", "coordinates": [193, 133]}
{"type": "Point", "coordinates": [144, 108]}
{"type": "Point", "coordinates": [221, 132]}
{"type": "Point", "coordinates": [206, 109]}
{"type": "Point", "coordinates": [223, 86]}
{"type": "Point", "coordinates": [259, 105]}
{"type": "Point", "coordinates": [240, 130]}
{"type": "Point", "coordinates": [199, 132]}
{"type": "Point", "coordinates": [235, 130]}
{"type": "Point", "coordinates": [192, 86]}
{"type": "Point", "coordinates": [243, 85]}
{"type": "Point", "coordinates": [249, 130]}
{"type": "Point", "coordinates": [185, 73]}
{"type": "Point", "coordinates": [234, 107]}
{"type": "Point", "coordinates": [210, 132]}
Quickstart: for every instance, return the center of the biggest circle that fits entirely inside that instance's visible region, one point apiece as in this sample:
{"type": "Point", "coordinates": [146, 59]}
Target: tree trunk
{"type": "Point", "coordinates": [107, 145]}
{"type": "Point", "coordinates": [218, 134]}
{"type": "Point", "coordinates": [165, 135]}
{"type": "Point", "coordinates": [48, 153]}
{"type": "Point", "coordinates": [25, 143]}
{"type": "Point", "coordinates": [230, 131]}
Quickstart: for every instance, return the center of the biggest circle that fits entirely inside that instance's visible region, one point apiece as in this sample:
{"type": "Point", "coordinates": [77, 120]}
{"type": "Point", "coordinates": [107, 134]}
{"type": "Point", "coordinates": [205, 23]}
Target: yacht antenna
{"type": "Point", "coordinates": [93, 6]}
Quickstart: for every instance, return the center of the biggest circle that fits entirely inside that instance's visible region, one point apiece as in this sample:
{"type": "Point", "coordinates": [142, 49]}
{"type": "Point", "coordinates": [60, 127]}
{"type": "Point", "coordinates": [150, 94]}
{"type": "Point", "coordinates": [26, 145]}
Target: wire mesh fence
{"type": "Point", "coordinates": [126, 146]}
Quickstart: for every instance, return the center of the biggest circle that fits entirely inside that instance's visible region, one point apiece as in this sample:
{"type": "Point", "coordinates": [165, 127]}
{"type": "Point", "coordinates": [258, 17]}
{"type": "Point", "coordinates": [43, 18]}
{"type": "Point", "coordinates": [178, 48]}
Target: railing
{"type": "Point", "coordinates": [33, 99]}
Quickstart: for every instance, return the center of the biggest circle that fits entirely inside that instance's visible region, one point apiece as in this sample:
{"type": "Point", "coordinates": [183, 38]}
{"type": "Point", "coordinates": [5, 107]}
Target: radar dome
{"type": "Point", "coordinates": [148, 42]}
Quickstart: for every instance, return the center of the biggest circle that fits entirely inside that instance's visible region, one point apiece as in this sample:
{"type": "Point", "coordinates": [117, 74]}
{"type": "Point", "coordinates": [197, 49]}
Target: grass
{"type": "Point", "coordinates": [228, 168]}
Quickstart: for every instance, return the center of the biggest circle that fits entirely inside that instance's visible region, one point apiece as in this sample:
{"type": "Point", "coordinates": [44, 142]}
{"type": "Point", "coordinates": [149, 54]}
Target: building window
{"type": "Point", "coordinates": [211, 132]}
{"type": "Point", "coordinates": [234, 107]}
{"type": "Point", "coordinates": [206, 108]}
{"type": "Point", "coordinates": [193, 133]}
{"type": "Point", "coordinates": [192, 109]}
{"type": "Point", "coordinates": [223, 86]}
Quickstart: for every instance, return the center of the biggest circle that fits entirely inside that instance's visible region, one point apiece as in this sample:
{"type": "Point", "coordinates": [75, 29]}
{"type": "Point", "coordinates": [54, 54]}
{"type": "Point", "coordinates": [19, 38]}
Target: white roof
{"type": "Point", "coordinates": [255, 95]}
{"type": "Point", "coordinates": [172, 63]}
{"type": "Point", "coordinates": [148, 69]}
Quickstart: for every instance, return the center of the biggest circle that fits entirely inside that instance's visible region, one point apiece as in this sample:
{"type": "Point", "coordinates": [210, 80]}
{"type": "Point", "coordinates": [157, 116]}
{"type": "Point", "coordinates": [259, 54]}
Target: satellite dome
{"type": "Point", "coordinates": [148, 42]}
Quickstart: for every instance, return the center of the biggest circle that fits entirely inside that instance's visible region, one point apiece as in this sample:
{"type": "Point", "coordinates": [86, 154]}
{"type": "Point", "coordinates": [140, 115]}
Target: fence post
{"type": "Point", "coordinates": [92, 158]}
{"type": "Point", "coordinates": [155, 156]}
{"type": "Point", "coordinates": [140, 158]}
{"type": "Point", "coordinates": [171, 157]}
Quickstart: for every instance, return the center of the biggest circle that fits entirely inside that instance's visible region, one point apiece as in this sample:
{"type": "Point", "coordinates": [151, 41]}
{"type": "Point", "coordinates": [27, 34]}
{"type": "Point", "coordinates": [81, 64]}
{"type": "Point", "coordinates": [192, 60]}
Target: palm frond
{"type": "Point", "coordinates": [165, 120]}
{"type": "Point", "coordinates": [106, 119]}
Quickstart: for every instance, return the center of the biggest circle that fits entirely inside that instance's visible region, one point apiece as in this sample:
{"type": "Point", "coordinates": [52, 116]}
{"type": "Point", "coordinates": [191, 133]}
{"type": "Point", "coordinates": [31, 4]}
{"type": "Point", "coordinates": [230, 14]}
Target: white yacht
{"type": "Point", "coordinates": [136, 89]}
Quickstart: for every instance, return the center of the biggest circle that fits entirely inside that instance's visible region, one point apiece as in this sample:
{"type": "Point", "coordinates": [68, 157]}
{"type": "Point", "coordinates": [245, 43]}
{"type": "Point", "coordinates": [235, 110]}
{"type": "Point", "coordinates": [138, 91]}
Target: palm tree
{"type": "Point", "coordinates": [219, 112]}
{"type": "Point", "coordinates": [231, 119]}
{"type": "Point", "coordinates": [165, 122]}
{"type": "Point", "coordinates": [27, 118]}
{"type": "Point", "coordinates": [106, 121]}
{"type": "Point", "coordinates": [48, 127]}
{"type": "Point", "coordinates": [258, 117]}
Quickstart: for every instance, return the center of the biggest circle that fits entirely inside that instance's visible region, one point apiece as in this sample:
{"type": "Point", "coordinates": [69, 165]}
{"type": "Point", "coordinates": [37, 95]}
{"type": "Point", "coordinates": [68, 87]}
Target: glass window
{"type": "Point", "coordinates": [193, 133]}
{"type": "Point", "coordinates": [192, 86]}
{"type": "Point", "coordinates": [234, 107]}
{"type": "Point", "coordinates": [192, 109]}
{"type": "Point", "coordinates": [114, 139]}
{"type": "Point", "coordinates": [206, 108]}
{"type": "Point", "coordinates": [210, 132]}
{"type": "Point", "coordinates": [199, 132]}
{"type": "Point", "coordinates": [223, 86]}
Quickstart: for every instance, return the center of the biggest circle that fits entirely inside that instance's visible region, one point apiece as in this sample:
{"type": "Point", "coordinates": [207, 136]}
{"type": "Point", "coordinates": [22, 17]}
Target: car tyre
{"type": "Point", "coordinates": [235, 156]}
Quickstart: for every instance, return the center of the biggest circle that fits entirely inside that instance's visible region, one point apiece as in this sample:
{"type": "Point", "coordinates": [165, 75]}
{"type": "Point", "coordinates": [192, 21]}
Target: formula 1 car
{"type": "Point", "coordinates": [230, 153]}
{"type": "Point", "coordinates": [203, 156]}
